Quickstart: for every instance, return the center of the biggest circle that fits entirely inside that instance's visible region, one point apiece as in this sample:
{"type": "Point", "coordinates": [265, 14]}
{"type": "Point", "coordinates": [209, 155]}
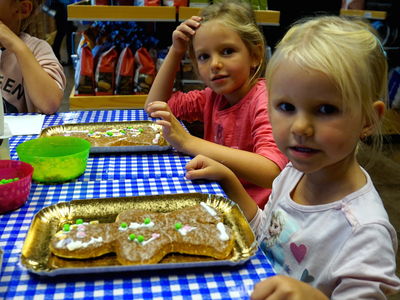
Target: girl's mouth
{"type": "Point", "coordinates": [303, 149]}
{"type": "Point", "coordinates": [219, 77]}
{"type": "Point", "coordinates": [300, 152]}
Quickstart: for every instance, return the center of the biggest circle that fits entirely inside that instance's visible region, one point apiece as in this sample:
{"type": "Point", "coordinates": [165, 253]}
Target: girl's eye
{"type": "Point", "coordinates": [228, 51]}
{"type": "Point", "coordinates": [286, 107]}
{"type": "Point", "coordinates": [202, 57]}
{"type": "Point", "coordinates": [328, 109]}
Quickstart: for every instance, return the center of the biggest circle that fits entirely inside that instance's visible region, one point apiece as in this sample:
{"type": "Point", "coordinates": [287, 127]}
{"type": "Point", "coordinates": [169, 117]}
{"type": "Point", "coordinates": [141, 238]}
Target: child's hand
{"type": "Point", "coordinates": [173, 131]}
{"type": "Point", "coordinates": [202, 167]}
{"type": "Point", "coordinates": [183, 33]}
{"type": "Point", "coordinates": [285, 288]}
{"type": "Point", "coordinates": [8, 39]}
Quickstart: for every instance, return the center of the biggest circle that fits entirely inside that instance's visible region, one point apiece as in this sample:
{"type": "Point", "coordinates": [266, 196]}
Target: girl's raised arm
{"type": "Point", "coordinates": [161, 88]}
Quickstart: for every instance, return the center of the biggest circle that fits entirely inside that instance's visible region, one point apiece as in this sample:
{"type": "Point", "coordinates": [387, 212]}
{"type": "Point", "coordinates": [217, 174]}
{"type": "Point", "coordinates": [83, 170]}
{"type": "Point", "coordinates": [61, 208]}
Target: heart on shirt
{"type": "Point", "coordinates": [298, 251]}
{"type": "Point", "coordinates": [306, 277]}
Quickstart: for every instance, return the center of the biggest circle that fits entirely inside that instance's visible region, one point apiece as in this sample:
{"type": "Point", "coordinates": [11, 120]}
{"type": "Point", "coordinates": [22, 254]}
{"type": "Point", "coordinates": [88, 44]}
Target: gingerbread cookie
{"type": "Point", "coordinates": [144, 237]}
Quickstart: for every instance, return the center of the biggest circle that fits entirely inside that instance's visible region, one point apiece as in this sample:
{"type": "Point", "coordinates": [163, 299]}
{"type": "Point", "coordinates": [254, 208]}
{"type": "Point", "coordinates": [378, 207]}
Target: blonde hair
{"type": "Point", "coordinates": [346, 51]}
{"type": "Point", "coordinates": [239, 17]}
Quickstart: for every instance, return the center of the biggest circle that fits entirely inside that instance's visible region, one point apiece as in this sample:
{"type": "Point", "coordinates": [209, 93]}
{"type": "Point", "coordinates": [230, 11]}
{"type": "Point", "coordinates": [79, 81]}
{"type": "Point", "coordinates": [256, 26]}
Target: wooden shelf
{"type": "Point", "coordinates": [368, 14]}
{"type": "Point", "coordinates": [86, 12]}
{"type": "Point", "coordinates": [83, 11]}
{"type": "Point", "coordinates": [263, 17]}
{"type": "Point", "coordinates": [106, 102]}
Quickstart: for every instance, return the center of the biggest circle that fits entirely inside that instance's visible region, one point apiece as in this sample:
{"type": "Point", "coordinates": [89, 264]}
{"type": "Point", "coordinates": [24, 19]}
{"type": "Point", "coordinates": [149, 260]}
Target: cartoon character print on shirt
{"type": "Point", "coordinates": [280, 230]}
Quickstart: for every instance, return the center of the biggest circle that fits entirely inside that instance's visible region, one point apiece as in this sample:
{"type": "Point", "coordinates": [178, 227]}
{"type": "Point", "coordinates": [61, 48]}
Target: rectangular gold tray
{"type": "Point", "coordinates": [37, 258]}
{"type": "Point", "coordinates": [62, 129]}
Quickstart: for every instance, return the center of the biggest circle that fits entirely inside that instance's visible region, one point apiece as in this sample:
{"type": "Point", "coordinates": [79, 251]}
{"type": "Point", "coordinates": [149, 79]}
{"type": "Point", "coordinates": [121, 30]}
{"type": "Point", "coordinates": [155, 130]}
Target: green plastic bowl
{"type": "Point", "coordinates": [55, 158]}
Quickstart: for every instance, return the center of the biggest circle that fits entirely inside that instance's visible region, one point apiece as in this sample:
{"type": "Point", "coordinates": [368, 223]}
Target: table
{"type": "Point", "coordinates": [118, 175]}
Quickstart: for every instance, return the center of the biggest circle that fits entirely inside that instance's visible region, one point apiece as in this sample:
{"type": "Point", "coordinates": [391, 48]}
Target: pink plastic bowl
{"type": "Point", "coordinates": [14, 194]}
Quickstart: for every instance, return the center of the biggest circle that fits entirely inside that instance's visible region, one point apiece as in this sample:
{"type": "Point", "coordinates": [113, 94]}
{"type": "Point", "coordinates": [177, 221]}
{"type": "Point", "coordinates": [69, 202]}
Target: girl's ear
{"type": "Point", "coordinates": [256, 57]}
{"type": "Point", "coordinates": [25, 9]}
{"type": "Point", "coordinates": [379, 108]}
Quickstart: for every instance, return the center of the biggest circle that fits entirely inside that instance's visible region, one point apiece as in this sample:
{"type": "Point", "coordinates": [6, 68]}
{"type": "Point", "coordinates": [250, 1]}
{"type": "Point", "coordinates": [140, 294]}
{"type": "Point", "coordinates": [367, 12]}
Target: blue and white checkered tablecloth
{"type": "Point", "coordinates": [114, 165]}
{"type": "Point", "coordinates": [118, 176]}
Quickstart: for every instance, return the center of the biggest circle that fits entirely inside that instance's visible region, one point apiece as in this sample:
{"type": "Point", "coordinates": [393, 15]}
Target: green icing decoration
{"type": "Point", "coordinates": [66, 227]}
{"type": "Point", "coordinates": [79, 221]}
{"type": "Point", "coordinates": [124, 225]}
{"type": "Point", "coordinates": [146, 221]}
{"type": "Point", "coordinates": [132, 236]}
{"type": "Point", "coordinates": [140, 130]}
{"type": "Point", "coordinates": [110, 133]}
{"type": "Point", "coordinates": [140, 238]}
{"type": "Point", "coordinates": [122, 131]}
{"type": "Point", "coordinates": [178, 226]}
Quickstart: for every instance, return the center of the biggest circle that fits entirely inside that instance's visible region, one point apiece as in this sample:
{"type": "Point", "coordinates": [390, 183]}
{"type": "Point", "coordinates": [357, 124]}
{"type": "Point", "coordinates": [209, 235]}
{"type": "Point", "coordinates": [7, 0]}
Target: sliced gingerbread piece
{"type": "Point", "coordinates": [83, 240]}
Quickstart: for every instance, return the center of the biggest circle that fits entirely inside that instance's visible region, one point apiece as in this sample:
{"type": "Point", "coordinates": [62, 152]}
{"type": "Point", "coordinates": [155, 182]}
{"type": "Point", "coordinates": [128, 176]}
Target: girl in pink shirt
{"type": "Point", "coordinates": [228, 53]}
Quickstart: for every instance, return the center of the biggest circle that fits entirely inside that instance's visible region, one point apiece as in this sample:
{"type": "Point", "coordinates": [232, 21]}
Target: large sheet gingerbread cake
{"type": "Point", "coordinates": [135, 136]}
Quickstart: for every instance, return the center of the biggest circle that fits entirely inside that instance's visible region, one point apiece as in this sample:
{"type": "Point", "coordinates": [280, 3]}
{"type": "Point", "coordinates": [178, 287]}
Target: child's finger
{"type": "Point", "coordinates": [165, 115]}
{"type": "Point", "coordinates": [158, 105]}
{"type": "Point", "coordinates": [194, 174]}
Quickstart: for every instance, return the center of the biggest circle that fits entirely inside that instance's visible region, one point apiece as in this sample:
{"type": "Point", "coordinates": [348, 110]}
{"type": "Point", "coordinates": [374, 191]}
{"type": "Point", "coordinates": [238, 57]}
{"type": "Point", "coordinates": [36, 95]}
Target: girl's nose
{"type": "Point", "coordinates": [216, 63]}
{"type": "Point", "coordinates": [302, 126]}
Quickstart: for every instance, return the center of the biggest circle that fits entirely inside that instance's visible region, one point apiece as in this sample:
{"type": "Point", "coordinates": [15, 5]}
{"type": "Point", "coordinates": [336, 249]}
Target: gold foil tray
{"type": "Point", "coordinates": [38, 259]}
{"type": "Point", "coordinates": [108, 144]}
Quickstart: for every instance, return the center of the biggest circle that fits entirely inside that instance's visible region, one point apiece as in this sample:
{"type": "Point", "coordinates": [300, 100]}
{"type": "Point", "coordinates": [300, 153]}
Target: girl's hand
{"type": "Point", "coordinates": [8, 39]}
{"type": "Point", "coordinates": [183, 33]}
{"type": "Point", "coordinates": [173, 131]}
{"type": "Point", "coordinates": [202, 167]}
{"type": "Point", "coordinates": [285, 288]}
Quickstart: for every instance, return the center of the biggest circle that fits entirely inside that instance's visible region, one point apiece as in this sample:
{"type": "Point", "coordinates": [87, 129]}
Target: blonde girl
{"type": "Point", "coordinates": [327, 83]}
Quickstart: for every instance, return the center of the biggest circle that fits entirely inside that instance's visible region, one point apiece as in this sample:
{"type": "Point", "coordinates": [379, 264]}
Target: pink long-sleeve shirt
{"type": "Point", "coordinates": [243, 126]}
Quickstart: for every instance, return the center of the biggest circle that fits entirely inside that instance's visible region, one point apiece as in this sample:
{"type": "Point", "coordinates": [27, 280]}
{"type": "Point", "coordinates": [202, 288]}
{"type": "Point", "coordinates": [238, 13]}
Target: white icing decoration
{"type": "Point", "coordinates": [62, 242]}
{"type": "Point", "coordinates": [73, 245]}
{"type": "Point", "coordinates": [185, 229]}
{"type": "Point", "coordinates": [223, 236]}
{"type": "Point", "coordinates": [80, 234]}
{"type": "Point", "coordinates": [153, 237]}
{"type": "Point", "coordinates": [78, 131]}
{"type": "Point", "coordinates": [137, 225]}
{"type": "Point", "coordinates": [208, 209]}
{"type": "Point", "coordinates": [134, 131]}
{"type": "Point", "coordinates": [155, 127]}
{"type": "Point", "coordinates": [156, 139]}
